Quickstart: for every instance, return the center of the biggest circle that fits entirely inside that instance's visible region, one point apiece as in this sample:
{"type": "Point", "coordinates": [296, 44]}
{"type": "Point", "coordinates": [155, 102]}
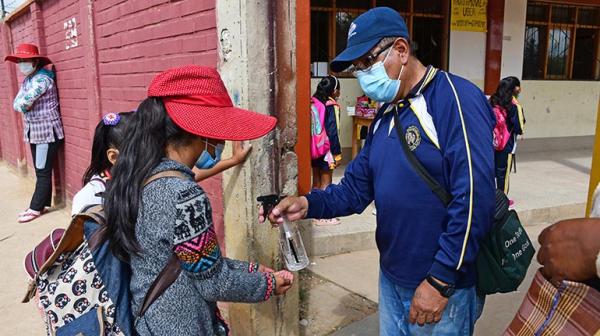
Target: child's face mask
{"type": "Point", "coordinates": [206, 161]}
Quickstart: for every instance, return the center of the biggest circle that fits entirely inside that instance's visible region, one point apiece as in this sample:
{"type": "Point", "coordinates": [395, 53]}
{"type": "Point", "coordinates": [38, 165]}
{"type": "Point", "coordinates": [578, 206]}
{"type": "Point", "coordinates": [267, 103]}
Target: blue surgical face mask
{"type": "Point", "coordinates": [26, 68]}
{"type": "Point", "coordinates": [206, 161]}
{"type": "Point", "coordinates": [376, 83]}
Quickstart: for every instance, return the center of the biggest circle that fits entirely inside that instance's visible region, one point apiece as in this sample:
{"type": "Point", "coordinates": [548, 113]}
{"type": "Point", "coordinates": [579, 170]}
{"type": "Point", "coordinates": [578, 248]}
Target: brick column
{"type": "Point", "coordinates": [13, 89]}
{"type": "Point", "coordinates": [493, 48]}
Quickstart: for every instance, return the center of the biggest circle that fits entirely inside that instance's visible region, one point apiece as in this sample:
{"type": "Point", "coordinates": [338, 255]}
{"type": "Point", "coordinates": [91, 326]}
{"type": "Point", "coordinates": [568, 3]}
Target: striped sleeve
{"type": "Point", "coordinates": [465, 136]}
{"type": "Point", "coordinates": [195, 244]}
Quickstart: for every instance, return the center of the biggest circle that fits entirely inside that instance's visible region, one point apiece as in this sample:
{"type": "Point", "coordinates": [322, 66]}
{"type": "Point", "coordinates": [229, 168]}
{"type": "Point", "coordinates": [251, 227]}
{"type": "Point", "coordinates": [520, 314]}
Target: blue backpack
{"type": "Point", "coordinates": [81, 286]}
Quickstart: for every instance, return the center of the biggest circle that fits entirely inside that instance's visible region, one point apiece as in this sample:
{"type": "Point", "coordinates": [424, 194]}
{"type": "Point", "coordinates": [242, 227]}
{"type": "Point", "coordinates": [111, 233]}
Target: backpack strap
{"type": "Point", "coordinates": [96, 212]}
{"type": "Point", "coordinates": [172, 270]}
{"type": "Point", "coordinates": [164, 280]}
{"type": "Point", "coordinates": [431, 182]}
{"type": "Point", "coordinates": [163, 174]}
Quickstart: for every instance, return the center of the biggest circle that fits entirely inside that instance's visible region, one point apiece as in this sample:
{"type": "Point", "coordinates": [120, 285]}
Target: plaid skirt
{"type": "Point", "coordinates": [573, 309]}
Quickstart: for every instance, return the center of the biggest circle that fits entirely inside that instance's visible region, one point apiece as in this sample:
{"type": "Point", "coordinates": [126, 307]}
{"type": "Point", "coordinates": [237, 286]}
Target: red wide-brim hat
{"type": "Point", "coordinates": [27, 51]}
{"type": "Point", "coordinates": [196, 99]}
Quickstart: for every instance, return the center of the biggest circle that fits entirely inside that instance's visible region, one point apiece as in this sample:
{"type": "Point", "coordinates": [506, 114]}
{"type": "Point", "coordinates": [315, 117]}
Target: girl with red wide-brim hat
{"type": "Point", "coordinates": [37, 100]}
{"type": "Point", "coordinates": [182, 124]}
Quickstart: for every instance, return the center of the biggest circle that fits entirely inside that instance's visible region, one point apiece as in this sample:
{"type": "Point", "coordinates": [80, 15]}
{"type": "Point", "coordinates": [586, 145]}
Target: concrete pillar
{"type": "Point", "coordinates": [257, 63]}
{"type": "Point", "coordinates": [493, 50]}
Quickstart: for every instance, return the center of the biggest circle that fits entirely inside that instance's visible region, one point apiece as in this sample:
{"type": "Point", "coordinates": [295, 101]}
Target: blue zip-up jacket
{"type": "Point", "coordinates": [448, 123]}
{"type": "Point", "coordinates": [331, 127]}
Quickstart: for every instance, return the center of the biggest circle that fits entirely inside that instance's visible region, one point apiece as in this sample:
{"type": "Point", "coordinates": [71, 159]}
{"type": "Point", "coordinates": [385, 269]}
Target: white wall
{"type": "Point", "coordinates": [560, 108]}
{"type": "Point", "coordinates": [467, 55]}
{"type": "Point", "coordinates": [513, 38]}
{"type": "Point", "coordinates": [552, 108]}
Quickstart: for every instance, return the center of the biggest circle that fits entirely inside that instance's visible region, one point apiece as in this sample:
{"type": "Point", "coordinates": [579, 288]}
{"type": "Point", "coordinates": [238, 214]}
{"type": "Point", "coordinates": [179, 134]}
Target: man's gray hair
{"type": "Point", "coordinates": [390, 39]}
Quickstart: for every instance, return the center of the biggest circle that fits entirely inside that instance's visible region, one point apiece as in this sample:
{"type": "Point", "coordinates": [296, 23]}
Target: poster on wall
{"type": "Point", "coordinates": [469, 15]}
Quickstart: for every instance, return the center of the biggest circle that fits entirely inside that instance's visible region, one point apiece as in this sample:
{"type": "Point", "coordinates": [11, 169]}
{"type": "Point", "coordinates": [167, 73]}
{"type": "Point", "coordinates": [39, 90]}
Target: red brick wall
{"type": "Point", "coordinates": [132, 41]}
{"type": "Point", "coordinates": [11, 130]}
{"type": "Point", "coordinates": [70, 73]}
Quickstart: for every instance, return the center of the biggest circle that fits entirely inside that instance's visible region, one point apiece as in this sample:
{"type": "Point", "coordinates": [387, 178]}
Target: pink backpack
{"type": "Point", "coordinates": [501, 133]}
{"type": "Point", "coordinates": [319, 141]}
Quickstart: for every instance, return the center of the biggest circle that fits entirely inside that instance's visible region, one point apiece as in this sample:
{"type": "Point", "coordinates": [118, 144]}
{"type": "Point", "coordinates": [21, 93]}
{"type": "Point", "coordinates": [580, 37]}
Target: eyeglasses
{"type": "Point", "coordinates": [367, 62]}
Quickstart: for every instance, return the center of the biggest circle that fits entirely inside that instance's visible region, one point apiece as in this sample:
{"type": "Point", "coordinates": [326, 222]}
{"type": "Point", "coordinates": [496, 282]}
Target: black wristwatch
{"type": "Point", "coordinates": [445, 290]}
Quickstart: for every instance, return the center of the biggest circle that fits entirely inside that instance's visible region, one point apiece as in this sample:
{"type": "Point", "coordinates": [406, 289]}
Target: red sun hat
{"type": "Point", "coordinates": [197, 101]}
{"type": "Point", "coordinates": [27, 51]}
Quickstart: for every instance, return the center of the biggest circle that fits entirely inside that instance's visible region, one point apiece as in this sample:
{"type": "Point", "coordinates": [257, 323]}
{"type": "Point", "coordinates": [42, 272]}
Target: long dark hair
{"type": "Point", "coordinates": [149, 131]}
{"type": "Point", "coordinates": [325, 88]}
{"type": "Point", "coordinates": [105, 137]}
{"type": "Point", "coordinates": [505, 92]}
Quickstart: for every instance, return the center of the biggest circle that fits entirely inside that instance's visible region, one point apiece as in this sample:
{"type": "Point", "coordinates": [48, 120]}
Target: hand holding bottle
{"type": "Point", "coordinates": [292, 207]}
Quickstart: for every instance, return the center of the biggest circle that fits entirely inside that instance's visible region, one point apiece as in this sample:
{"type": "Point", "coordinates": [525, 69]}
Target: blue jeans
{"type": "Point", "coordinates": [458, 318]}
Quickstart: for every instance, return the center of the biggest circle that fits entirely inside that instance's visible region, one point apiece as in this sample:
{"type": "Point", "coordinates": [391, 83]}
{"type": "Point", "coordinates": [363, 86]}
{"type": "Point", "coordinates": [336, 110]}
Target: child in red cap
{"type": "Point", "coordinates": [182, 124]}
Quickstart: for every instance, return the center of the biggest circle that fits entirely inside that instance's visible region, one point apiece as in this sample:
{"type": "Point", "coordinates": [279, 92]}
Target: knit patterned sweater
{"type": "Point", "coordinates": [175, 217]}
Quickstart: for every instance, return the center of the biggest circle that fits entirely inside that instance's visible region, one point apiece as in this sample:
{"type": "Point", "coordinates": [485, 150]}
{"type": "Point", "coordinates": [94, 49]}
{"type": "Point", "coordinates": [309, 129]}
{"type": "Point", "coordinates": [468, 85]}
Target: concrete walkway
{"type": "Point", "coordinates": [548, 187]}
{"type": "Point", "coordinates": [16, 240]}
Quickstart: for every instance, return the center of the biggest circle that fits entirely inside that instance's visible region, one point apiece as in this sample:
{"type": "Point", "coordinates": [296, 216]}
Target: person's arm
{"type": "Point", "coordinates": [26, 98]}
{"type": "Point", "coordinates": [216, 279]}
{"type": "Point", "coordinates": [332, 130]}
{"type": "Point", "coordinates": [465, 131]}
{"type": "Point", "coordinates": [240, 154]}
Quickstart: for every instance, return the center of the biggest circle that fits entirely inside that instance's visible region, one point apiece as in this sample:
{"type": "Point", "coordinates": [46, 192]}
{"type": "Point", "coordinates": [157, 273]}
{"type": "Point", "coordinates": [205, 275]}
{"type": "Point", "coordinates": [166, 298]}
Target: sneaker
{"type": "Point", "coordinates": [327, 222]}
{"type": "Point", "coordinates": [28, 216]}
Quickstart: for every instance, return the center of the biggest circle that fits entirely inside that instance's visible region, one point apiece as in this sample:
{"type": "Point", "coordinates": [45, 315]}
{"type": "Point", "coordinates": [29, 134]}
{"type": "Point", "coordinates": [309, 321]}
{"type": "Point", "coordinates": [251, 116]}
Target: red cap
{"type": "Point", "coordinates": [27, 51]}
{"type": "Point", "coordinates": [197, 101]}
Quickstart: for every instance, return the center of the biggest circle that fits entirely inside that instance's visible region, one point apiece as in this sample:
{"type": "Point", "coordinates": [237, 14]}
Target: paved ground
{"type": "Point", "coordinates": [547, 187]}
{"type": "Point", "coordinates": [16, 240]}
{"type": "Point", "coordinates": [349, 286]}
{"type": "Point", "coordinates": [357, 272]}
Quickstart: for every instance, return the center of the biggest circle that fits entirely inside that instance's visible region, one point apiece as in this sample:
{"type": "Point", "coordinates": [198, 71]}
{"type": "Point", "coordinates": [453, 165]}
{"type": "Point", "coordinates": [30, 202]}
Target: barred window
{"type": "Point", "coordinates": [561, 42]}
{"type": "Point", "coordinates": [427, 22]}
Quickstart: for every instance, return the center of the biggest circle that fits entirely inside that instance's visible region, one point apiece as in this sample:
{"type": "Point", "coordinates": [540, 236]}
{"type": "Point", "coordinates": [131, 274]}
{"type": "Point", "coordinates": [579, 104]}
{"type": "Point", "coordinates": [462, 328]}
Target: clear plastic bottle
{"type": "Point", "coordinates": [292, 246]}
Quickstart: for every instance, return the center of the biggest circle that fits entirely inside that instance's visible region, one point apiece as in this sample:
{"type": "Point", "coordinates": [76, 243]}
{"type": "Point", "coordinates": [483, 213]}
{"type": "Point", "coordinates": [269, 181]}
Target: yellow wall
{"type": "Point", "coordinates": [595, 172]}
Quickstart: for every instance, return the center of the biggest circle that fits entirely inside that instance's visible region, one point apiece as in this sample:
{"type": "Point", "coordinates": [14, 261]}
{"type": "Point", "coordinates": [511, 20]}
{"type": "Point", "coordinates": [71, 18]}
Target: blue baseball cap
{"type": "Point", "coordinates": [366, 31]}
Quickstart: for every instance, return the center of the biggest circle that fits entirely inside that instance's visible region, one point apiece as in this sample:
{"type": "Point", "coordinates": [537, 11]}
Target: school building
{"type": "Point", "coordinates": [552, 46]}
{"type": "Point", "coordinates": [271, 54]}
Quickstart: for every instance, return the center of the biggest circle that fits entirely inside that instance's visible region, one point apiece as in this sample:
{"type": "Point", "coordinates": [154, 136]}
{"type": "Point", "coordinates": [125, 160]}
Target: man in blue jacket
{"type": "Point", "coordinates": [427, 250]}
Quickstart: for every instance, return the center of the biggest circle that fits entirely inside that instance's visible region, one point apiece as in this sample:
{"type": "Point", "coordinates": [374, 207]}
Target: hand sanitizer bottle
{"type": "Point", "coordinates": [290, 241]}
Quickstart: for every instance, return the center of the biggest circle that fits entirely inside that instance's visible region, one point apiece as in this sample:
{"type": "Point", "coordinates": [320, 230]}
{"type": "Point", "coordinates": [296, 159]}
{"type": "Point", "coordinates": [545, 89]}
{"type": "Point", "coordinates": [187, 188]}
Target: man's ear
{"type": "Point", "coordinates": [112, 154]}
{"type": "Point", "coordinates": [402, 46]}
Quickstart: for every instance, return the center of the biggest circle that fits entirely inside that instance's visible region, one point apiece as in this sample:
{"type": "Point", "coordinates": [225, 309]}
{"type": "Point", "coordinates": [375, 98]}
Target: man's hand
{"type": "Point", "coordinates": [427, 305]}
{"type": "Point", "coordinates": [569, 249]}
{"type": "Point", "coordinates": [283, 282]}
{"type": "Point", "coordinates": [240, 152]}
{"type": "Point", "coordinates": [294, 208]}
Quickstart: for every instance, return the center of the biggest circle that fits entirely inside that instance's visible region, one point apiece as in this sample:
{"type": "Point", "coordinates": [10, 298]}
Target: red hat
{"type": "Point", "coordinates": [197, 101]}
{"type": "Point", "coordinates": [27, 51]}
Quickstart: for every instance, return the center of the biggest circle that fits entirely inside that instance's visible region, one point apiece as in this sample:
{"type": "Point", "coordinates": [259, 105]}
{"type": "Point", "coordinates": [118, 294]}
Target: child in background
{"type": "Point", "coordinates": [108, 137]}
{"type": "Point", "coordinates": [505, 99]}
{"type": "Point", "coordinates": [328, 90]}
